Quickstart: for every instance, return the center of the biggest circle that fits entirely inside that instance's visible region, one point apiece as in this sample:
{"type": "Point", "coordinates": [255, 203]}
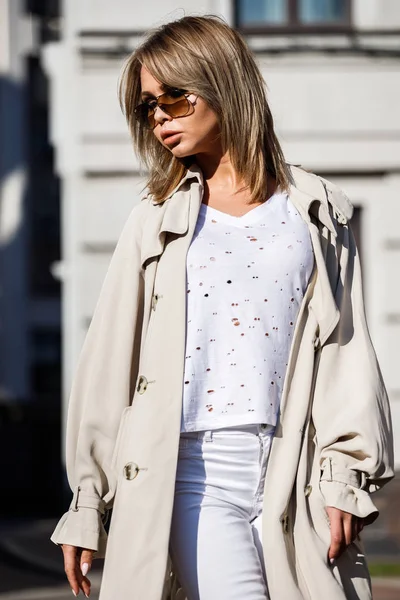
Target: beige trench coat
{"type": "Point", "coordinates": [333, 444]}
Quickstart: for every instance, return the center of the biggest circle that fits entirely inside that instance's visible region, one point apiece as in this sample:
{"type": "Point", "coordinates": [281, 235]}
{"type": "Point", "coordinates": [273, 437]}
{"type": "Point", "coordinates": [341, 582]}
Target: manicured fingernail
{"type": "Point", "coordinates": [87, 595]}
{"type": "Point", "coordinates": [85, 569]}
{"type": "Point", "coordinates": [331, 560]}
{"type": "Point", "coordinates": [74, 593]}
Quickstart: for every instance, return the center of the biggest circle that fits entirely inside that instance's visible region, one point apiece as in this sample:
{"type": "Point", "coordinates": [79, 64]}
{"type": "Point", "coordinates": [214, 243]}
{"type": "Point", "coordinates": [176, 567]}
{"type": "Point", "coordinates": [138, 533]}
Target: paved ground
{"type": "Point", "coordinates": [48, 593]}
{"type": "Point", "coordinates": [31, 566]}
{"type": "Point", "coordinates": [388, 589]}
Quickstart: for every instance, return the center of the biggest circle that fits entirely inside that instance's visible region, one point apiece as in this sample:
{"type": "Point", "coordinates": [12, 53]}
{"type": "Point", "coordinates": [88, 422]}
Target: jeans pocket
{"type": "Point", "coordinates": [189, 445]}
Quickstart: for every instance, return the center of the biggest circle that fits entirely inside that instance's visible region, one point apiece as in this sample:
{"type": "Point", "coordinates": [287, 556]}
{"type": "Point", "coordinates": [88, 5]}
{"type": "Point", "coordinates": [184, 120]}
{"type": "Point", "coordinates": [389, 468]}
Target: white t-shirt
{"type": "Point", "coordinates": [246, 278]}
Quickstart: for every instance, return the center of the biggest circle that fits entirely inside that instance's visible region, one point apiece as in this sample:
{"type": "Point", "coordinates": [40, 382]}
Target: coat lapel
{"type": "Point", "coordinates": [170, 216]}
{"type": "Point", "coordinates": [322, 302]}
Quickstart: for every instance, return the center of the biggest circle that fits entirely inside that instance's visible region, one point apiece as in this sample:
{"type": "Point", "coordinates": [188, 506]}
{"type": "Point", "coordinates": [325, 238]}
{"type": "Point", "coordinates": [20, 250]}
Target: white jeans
{"type": "Point", "coordinates": [216, 531]}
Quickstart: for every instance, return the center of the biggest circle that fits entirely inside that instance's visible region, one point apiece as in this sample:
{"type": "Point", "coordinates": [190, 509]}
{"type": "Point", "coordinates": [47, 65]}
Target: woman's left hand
{"type": "Point", "coordinates": [345, 527]}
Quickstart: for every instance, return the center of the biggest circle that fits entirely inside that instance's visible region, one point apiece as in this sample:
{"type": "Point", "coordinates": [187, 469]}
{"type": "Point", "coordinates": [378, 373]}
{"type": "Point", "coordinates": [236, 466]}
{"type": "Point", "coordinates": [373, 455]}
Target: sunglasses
{"type": "Point", "coordinates": [174, 103]}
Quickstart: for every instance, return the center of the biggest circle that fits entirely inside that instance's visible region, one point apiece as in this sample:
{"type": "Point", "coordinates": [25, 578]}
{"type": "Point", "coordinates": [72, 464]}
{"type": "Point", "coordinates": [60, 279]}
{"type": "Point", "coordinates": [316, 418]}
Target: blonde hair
{"type": "Point", "coordinates": [204, 55]}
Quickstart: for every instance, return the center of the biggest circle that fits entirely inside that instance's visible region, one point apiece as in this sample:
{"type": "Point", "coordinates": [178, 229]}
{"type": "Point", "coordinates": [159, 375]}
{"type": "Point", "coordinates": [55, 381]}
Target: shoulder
{"type": "Point", "coordinates": [138, 215]}
{"type": "Point", "coordinates": [132, 232]}
{"type": "Point", "coordinates": [324, 190]}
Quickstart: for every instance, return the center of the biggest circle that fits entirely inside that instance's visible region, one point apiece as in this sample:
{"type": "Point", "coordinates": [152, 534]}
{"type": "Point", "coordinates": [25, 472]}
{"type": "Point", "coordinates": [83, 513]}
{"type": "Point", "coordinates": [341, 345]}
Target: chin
{"type": "Point", "coordinates": [181, 152]}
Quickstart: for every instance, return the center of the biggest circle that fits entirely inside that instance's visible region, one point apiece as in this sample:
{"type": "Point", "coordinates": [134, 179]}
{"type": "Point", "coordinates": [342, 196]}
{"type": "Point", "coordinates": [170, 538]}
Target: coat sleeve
{"type": "Point", "coordinates": [102, 388]}
{"type": "Point", "coordinates": [351, 411]}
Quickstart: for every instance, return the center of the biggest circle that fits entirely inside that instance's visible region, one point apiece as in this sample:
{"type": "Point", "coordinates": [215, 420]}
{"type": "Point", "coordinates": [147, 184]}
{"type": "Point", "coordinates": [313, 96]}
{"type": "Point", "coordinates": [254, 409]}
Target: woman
{"type": "Point", "coordinates": [228, 404]}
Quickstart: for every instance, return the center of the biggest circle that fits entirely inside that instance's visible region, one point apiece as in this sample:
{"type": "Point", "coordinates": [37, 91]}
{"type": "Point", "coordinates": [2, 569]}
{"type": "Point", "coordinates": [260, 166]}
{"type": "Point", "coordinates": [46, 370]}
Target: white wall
{"type": "Point", "coordinates": [376, 14]}
{"type": "Point", "coordinates": [336, 113]}
{"type": "Point", "coordinates": [95, 15]}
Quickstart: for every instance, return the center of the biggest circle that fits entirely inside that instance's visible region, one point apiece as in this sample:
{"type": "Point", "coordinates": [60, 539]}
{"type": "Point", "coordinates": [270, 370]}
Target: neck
{"type": "Point", "coordinates": [219, 173]}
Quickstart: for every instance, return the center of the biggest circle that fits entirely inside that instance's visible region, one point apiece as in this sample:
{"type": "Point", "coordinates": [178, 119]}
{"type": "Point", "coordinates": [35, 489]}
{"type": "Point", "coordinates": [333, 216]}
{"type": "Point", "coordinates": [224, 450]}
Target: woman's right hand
{"type": "Point", "coordinates": [77, 563]}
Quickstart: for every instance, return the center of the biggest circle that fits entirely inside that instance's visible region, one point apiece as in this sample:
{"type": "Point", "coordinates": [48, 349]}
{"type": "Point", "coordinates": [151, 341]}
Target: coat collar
{"type": "Point", "coordinates": [313, 195]}
{"type": "Point", "coordinates": [310, 193]}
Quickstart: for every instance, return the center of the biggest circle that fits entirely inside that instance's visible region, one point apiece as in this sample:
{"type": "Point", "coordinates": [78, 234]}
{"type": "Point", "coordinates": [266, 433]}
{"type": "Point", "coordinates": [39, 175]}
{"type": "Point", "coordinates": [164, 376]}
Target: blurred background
{"type": "Point", "coordinates": [68, 180]}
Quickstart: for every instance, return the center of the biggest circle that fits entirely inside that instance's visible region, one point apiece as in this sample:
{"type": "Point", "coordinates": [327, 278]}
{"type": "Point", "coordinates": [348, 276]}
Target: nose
{"type": "Point", "coordinates": [160, 116]}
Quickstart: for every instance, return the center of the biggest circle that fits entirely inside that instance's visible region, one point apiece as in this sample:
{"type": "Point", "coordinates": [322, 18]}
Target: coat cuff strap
{"type": "Point", "coordinates": [83, 524]}
{"type": "Point", "coordinates": [344, 489]}
{"type": "Point", "coordinates": [81, 499]}
{"type": "Point", "coordinates": [330, 471]}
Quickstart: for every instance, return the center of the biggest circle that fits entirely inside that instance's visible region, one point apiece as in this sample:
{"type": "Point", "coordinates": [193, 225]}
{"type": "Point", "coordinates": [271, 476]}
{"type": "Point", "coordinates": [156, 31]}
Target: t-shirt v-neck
{"type": "Point", "coordinates": [249, 218]}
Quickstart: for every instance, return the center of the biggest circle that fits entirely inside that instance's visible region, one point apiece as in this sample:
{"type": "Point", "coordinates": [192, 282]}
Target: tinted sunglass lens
{"type": "Point", "coordinates": [174, 107]}
{"type": "Point", "coordinates": [173, 104]}
{"type": "Point", "coordinates": [142, 113]}
{"type": "Point", "coordinates": [145, 115]}
{"type": "Point", "coordinates": [150, 121]}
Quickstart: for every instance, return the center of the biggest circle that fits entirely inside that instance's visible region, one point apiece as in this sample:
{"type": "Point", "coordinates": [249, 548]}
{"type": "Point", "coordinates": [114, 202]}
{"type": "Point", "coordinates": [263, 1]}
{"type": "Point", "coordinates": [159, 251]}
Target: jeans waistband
{"type": "Point", "coordinates": [208, 434]}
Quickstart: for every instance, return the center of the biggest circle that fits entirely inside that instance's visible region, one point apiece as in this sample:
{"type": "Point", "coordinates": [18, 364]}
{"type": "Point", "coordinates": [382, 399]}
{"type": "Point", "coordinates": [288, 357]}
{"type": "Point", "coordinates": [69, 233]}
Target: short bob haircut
{"type": "Point", "coordinates": [204, 55]}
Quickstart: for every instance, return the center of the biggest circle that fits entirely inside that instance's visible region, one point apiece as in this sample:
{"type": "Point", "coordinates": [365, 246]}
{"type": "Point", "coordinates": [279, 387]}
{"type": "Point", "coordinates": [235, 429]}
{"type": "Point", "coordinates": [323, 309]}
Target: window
{"type": "Point", "coordinates": [292, 15]}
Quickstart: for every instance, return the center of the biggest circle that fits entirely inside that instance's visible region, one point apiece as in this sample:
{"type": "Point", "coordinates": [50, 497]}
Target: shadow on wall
{"type": "Point", "coordinates": [30, 455]}
{"type": "Point", "coordinates": [13, 239]}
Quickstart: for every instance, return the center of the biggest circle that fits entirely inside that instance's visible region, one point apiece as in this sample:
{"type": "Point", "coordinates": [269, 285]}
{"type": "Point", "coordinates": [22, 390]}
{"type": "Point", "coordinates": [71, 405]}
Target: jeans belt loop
{"type": "Point", "coordinates": [208, 436]}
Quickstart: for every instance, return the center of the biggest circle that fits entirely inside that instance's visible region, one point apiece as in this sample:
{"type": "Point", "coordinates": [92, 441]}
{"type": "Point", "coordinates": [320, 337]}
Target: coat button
{"type": "Point", "coordinates": [155, 298]}
{"type": "Point", "coordinates": [142, 384]}
{"type": "Point", "coordinates": [308, 490]}
{"type": "Point", "coordinates": [131, 470]}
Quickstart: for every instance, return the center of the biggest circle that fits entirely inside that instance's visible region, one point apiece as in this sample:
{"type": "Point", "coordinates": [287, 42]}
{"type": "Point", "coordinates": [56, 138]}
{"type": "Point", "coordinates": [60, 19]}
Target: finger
{"type": "Point", "coordinates": [84, 582]}
{"type": "Point", "coordinates": [337, 536]}
{"type": "Point", "coordinates": [354, 528]}
{"type": "Point", "coordinates": [348, 521]}
{"type": "Point", "coordinates": [86, 586]}
{"type": "Point", "coordinates": [70, 553]}
{"type": "Point", "coordinates": [86, 560]}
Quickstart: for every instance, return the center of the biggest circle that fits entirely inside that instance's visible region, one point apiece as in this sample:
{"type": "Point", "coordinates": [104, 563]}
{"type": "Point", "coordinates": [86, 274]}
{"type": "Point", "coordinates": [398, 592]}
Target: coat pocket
{"type": "Point", "coordinates": [119, 438]}
{"type": "Point", "coordinates": [315, 501]}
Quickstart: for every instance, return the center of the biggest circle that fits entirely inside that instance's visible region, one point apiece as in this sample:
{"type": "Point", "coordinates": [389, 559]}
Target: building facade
{"type": "Point", "coordinates": [334, 81]}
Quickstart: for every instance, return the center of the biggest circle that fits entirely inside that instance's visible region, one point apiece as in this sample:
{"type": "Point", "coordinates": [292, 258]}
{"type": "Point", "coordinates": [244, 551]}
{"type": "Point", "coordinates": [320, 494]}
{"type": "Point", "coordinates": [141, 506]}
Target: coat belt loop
{"type": "Point", "coordinates": [330, 469]}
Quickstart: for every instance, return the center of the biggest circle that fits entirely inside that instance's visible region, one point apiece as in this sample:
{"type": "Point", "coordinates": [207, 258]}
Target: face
{"type": "Point", "coordinates": [196, 131]}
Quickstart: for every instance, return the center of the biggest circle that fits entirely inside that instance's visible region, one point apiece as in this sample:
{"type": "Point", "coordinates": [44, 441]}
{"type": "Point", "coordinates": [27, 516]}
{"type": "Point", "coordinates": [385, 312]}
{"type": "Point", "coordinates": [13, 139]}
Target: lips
{"type": "Point", "coordinates": [168, 133]}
